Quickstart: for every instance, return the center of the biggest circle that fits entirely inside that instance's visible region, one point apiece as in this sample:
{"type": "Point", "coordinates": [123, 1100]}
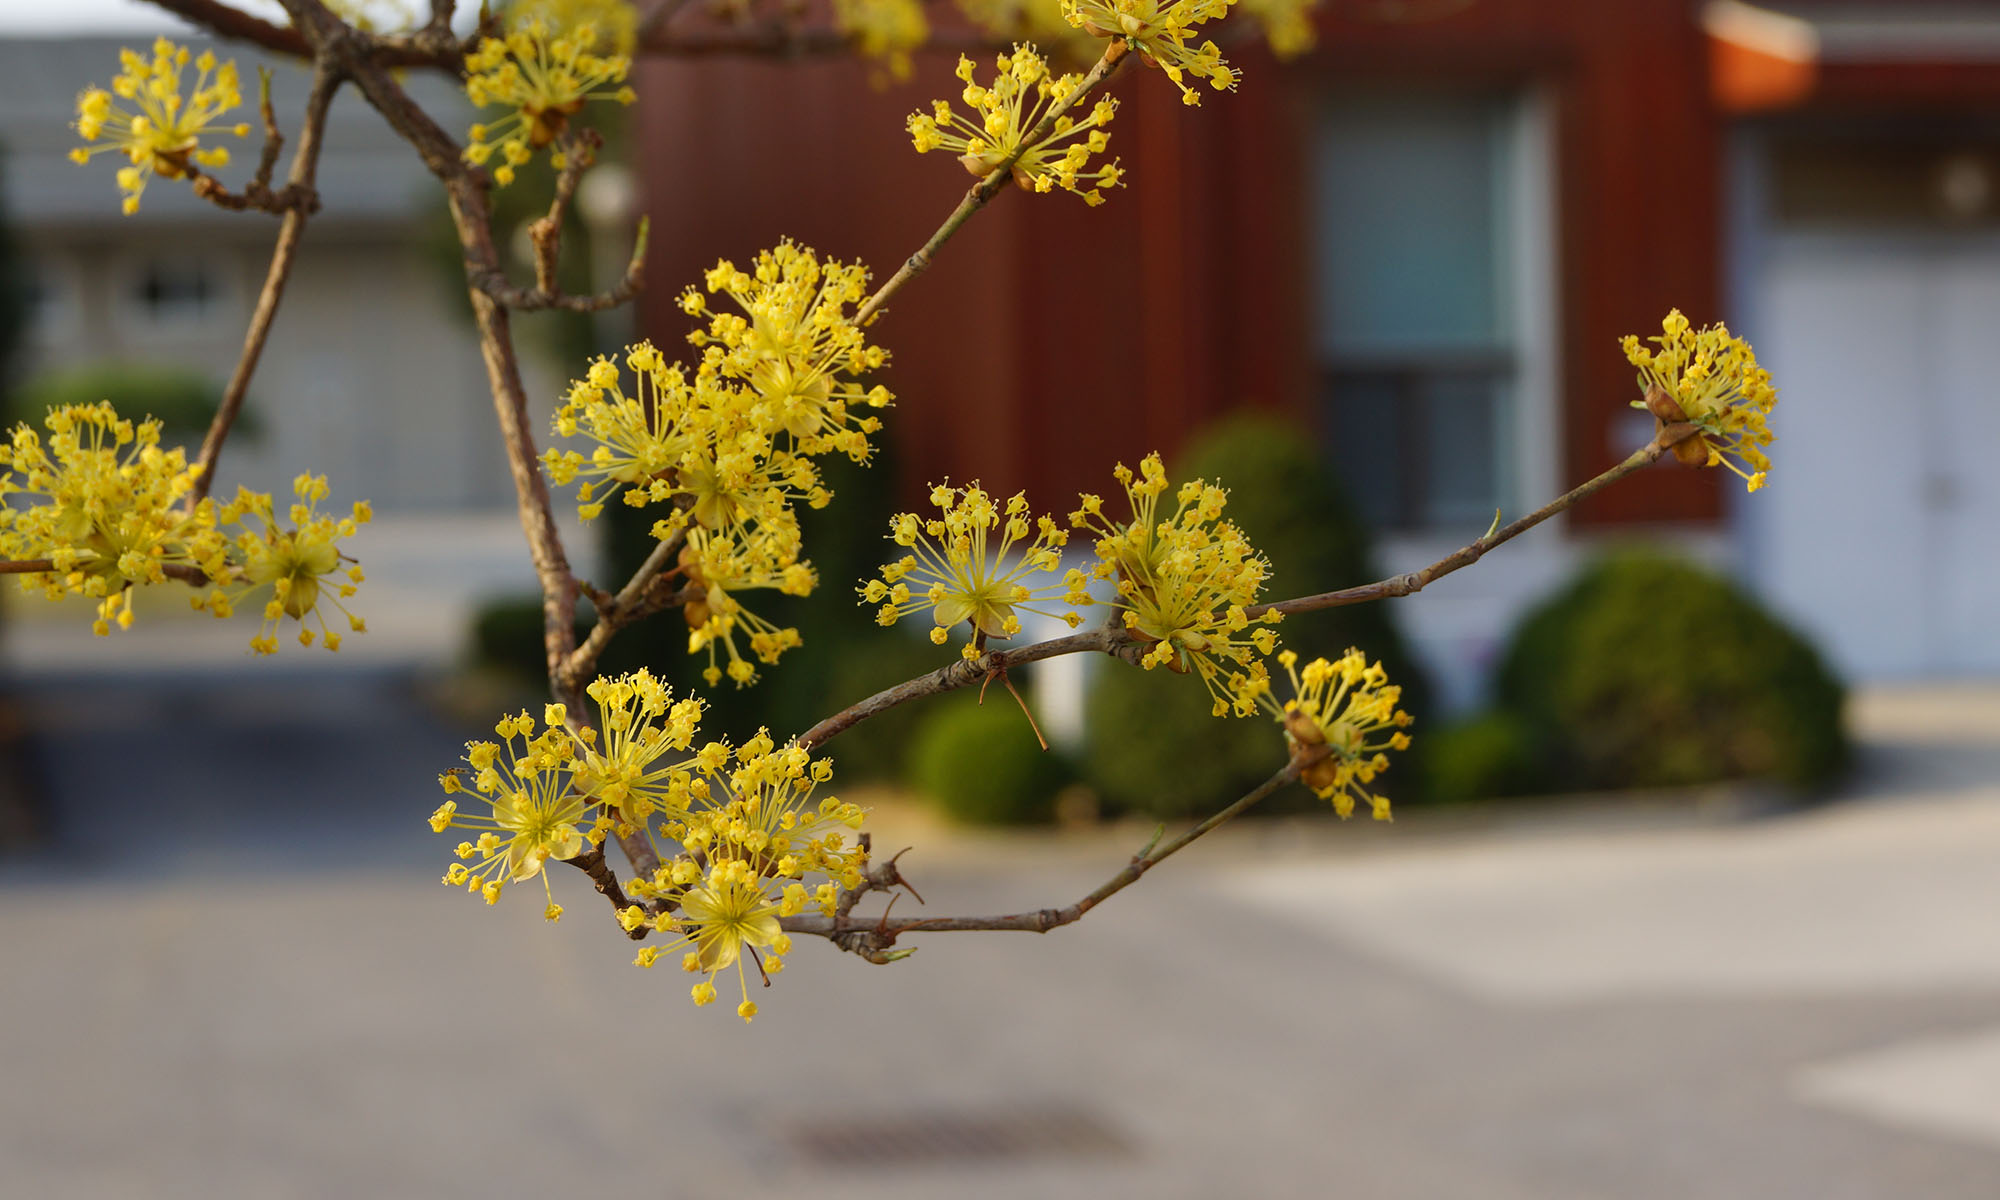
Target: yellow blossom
{"type": "Point", "coordinates": [160, 134]}
{"type": "Point", "coordinates": [755, 830]}
{"type": "Point", "coordinates": [1184, 582]}
{"type": "Point", "coordinates": [1160, 30]}
{"type": "Point", "coordinates": [723, 567]}
{"type": "Point", "coordinates": [544, 78]}
{"type": "Point", "coordinates": [106, 509]}
{"type": "Point", "coordinates": [1711, 379]}
{"type": "Point", "coordinates": [961, 575]}
{"type": "Point", "coordinates": [533, 813]}
{"type": "Point", "coordinates": [301, 565]}
{"type": "Point", "coordinates": [795, 346]}
{"type": "Point", "coordinates": [631, 763]}
{"type": "Point", "coordinates": [641, 435]}
{"type": "Point", "coordinates": [1349, 707]}
{"type": "Point", "coordinates": [1006, 113]}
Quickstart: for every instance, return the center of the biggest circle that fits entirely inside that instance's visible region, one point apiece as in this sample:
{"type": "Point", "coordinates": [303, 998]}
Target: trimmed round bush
{"type": "Point", "coordinates": [1649, 672]}
{"type": "Point", "coordinates": [981, 764]}
{"type": "Point", "coordinates": [1154, 748]}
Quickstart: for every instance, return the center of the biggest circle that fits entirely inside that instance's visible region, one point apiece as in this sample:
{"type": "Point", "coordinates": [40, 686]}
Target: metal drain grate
{"type": "Point", "coordinates": [934, 1137]}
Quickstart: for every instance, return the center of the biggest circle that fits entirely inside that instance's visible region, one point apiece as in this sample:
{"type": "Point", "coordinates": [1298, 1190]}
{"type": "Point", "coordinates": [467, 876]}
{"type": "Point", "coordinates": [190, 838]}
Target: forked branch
{"type": "Point", "coordinates": [872, 937]}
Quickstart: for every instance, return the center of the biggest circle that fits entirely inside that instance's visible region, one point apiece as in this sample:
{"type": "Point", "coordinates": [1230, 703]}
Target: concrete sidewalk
{"type": "Point", "coordinates": [237, 976]}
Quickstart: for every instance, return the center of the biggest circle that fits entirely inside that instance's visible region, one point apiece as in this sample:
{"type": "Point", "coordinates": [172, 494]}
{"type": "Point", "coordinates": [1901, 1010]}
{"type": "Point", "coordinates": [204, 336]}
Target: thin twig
{"type": "Point", "coordinates": [871, 937]}
{"type": "Point", "coordinates": [579, 151]}
{"type": "Point", "coordinates": [228, 21]}
{"type": "Point", "coordinates": [1115, 640]}
{"type": "Point", "coordinates": [978, 194]}
{"type": "Point", "coordinates": [636, 599]}
{"type": "Point", "coordinates": [1415, 581]}
{"type": "Point", "coordinates": [591, 862]}
{"type": "Point", "coordinates": [490, 279]}
{"type": "Point", "coordinates": [300, 191]}
{"type": "Point", "coordinates": [185, 572]}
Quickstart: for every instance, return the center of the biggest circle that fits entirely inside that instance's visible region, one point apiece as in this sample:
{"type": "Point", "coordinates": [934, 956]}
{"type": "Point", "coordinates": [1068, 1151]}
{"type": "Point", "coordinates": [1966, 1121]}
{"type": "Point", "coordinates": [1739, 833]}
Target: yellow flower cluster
{"type": "Point", "coordinates": [760, 834]}
{"type": "Point", "coordinates": [764, 557]}
{"type": "Point", "coordinates": [885, 30]}
{"type": "Point", "coordinates": [697, 444]}
{"type": "Point", "coordinates": [640, 723]}
{"type": "Point", "coordinates": [1159, 30]}
{"type": "Point", "coordinates": [545, 78]}
{"type": "Point", "coordinates": [298, 565]}
{"type": "Point", "coordinates": [961, 577]}
{"type": "Point", "coordinates": [109, 513]}
{"type": "Point", "coordinates": [749, 831]}
{"type": "Point", "coordinates": [795, 346]}
{"type": "Point", "coordinates": [533, 814]}
{"type": "Point", "coordinates": [731, 447]}
{"type": "Point", "coordinates": [160, 135]}
{"type": "Point", "coordinates": [1184, 582]}
{"type": "Point", "coordinates": [613, 24]}
{"type": "Point", "coordinates": [1347, 706]}
{"type": "Point", "coordinates": [1006, 113]}
{"type": "Point", "coordinates": [1712, 379]}
{"type": "Point", "coordinates": [1287, 24]}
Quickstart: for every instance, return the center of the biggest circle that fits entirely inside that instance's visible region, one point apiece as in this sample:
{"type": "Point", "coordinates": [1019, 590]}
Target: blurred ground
{"type": "Point", "coordinates": [233, 974]}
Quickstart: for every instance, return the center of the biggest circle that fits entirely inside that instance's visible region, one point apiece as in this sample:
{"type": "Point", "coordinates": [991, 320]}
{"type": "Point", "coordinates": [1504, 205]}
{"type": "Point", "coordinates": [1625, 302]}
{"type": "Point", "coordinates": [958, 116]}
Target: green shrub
{"type": "Point", "coordinates": [184, 401]}
{"type": "Point", "coordinates": [981, 764]}
{"type": "Point", "coordinates": [1153, 747]}
{"type": "Point", "coordinates": [1647, 672]}
{"type": "Point", "coordinates": [1491, 754]}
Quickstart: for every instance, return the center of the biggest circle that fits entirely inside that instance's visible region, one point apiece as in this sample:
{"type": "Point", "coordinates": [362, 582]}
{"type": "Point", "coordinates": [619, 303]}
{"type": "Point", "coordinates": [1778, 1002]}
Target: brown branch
{"type": "Point", "coordinates": [592, 863]}
{"type": "Point", "coordinates": [492, 280]}
{"type": "Point", "coordinates": [423, 49]}
{"type": "Point", "coordinates": [466, 193]}
{"type": "Point", "coordinates": [1114, 640]}
{"type": "Point", "coordinates": [963, 672]}
{"type": "Point", "coordinates": [301, 200]}
{"type": "Point", "coordinates": [871, 938]}
{"type": "Point", "coordinates": [185, 572]}
{"type": "Point", "coordinates": [578, 152]}
{"type": "Point", "coordinates": [640, 596]}
{"type": "Point", "coordinates": [440, 22]}
{"type": "Point", "coordinates": [1416, 581]}
{"type": "Point", "coordinates": [227, 21]}
{"type": "Point", "coordinates": [979, 193]}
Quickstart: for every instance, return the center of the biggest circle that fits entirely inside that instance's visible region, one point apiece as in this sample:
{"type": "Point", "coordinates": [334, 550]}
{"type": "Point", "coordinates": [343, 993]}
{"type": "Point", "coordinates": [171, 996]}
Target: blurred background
{"type": "Point", "coordinates": [1692, 889]}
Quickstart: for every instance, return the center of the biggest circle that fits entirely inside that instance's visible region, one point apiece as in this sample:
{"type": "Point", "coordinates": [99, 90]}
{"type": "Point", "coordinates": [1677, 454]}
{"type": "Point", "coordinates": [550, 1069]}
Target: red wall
{"type": "Point", "coordinates": [1050, 339]}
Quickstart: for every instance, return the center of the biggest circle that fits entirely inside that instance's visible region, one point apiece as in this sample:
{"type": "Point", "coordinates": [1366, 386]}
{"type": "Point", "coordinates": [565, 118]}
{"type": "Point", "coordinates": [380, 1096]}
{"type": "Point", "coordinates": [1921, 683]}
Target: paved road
{"type": "Point", "coordinates": [235, 975]}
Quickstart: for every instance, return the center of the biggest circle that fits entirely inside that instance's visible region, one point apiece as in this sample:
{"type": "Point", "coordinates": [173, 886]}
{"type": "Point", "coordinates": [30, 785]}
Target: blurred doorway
{"type": "Point", "coordinates": [1883, 516]}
